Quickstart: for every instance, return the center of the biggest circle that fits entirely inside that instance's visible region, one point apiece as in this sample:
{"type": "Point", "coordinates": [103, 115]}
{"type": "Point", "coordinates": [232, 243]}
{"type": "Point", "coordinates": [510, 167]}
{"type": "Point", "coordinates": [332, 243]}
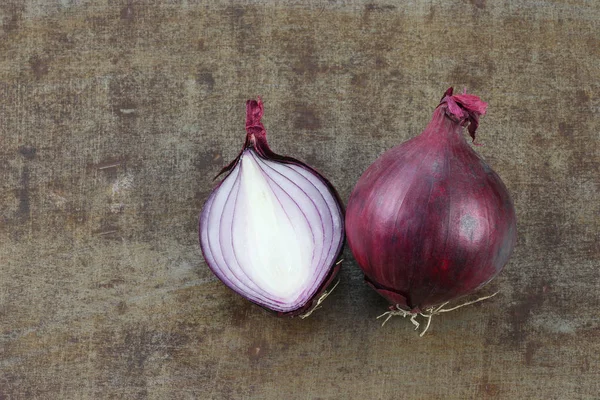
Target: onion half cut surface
{"type": "Point", "coordinates": [272, 230]}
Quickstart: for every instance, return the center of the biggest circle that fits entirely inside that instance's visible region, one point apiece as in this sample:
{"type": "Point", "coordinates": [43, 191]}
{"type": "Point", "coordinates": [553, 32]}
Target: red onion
{"type": "Point", "coordinates": [272, 230]}
{"type": "Point", "coordinates": [429, 221]}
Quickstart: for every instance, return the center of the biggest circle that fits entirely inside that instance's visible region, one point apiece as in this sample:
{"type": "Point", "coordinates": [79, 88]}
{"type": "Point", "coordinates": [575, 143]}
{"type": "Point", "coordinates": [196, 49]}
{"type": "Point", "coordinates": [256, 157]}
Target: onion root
{"type": "Point", "coordinates": [322, 298]}
{"type": "Point", "coordinates": [428, 314]}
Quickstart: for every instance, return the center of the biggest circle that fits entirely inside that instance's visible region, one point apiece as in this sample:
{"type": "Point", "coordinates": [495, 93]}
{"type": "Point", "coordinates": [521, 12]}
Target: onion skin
{"type": "Point", "coordinates": [429, 221]}
{"type": "Point", "coordinates": [256, 140]}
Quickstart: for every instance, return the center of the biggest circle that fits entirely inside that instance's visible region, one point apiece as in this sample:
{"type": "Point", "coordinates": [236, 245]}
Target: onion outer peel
{"type": "Point", "coordinates": [372, 241]}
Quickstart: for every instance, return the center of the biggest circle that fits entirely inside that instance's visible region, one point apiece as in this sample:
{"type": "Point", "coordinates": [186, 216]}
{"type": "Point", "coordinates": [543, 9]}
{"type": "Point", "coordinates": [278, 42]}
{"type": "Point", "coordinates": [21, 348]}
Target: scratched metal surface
{"type": "Point", "coordinates": [115, 116]}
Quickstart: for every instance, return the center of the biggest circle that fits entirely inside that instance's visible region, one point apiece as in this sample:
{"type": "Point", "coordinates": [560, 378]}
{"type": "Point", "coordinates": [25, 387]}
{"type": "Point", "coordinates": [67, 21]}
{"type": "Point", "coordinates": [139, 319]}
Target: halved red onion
{"type": "Point", "coordinates": [272, 230]}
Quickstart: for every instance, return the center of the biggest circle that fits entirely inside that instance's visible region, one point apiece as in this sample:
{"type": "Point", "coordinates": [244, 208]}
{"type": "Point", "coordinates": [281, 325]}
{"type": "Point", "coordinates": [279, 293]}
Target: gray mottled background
{"type": "Point", "coordinates": [116, 115]}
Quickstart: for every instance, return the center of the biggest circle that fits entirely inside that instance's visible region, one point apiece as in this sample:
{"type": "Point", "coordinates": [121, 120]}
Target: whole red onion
{"type": "Point", "coordinates": [429, 221]}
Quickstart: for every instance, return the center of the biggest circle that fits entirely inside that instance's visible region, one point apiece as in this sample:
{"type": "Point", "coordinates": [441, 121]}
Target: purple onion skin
{"type": "Point", "coordinates": [256, 139]}
{"type": "Point", "coordinates": [429, 221]}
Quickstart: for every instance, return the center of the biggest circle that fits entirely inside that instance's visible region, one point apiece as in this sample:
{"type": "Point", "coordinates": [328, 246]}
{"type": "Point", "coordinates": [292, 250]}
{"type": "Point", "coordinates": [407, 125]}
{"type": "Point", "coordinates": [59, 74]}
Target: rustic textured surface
{"type": "Point", "coordinates": [115, 116]}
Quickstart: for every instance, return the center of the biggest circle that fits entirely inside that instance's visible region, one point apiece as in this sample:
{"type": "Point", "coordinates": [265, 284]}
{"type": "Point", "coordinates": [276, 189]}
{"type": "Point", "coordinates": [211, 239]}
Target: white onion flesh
{"type": "Point", "coordinates": [271, 232]}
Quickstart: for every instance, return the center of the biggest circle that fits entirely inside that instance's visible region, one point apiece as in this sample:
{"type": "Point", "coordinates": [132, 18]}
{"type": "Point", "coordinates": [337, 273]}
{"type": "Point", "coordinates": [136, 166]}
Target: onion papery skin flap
{"type": "Point", "coordinates": [429, 221]}
{"type": "Point", "coordinates": [273, 228]}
